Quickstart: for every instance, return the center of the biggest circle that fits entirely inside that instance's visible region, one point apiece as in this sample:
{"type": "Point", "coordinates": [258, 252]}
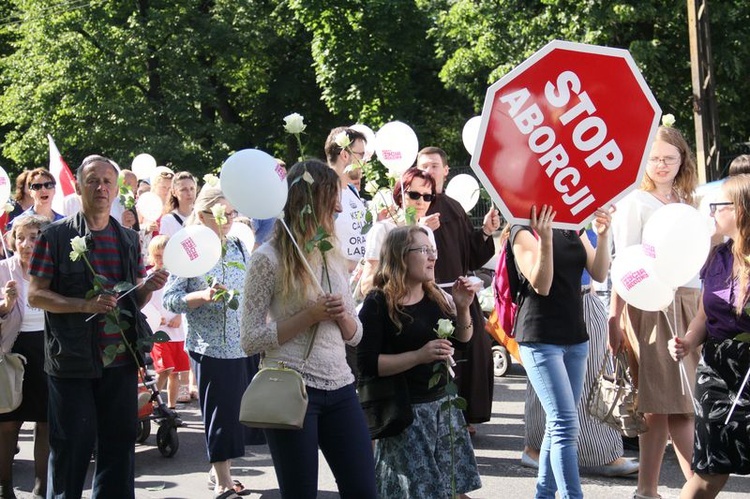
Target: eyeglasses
{"type": "Point", "coordinates": [425, 250]}
{"type": "Point", "coordinates": [713, 206]}
{"type": "Point", "coordinates": [45, 185]}
{"type": "Point", "coordinates": [428, 198]}
{"type": "Point", "coordinates": [360, 154]}
{"type": "Point", "coordinates": [667, 160]}
{"type": "Point", "coordinates": [229, 214]}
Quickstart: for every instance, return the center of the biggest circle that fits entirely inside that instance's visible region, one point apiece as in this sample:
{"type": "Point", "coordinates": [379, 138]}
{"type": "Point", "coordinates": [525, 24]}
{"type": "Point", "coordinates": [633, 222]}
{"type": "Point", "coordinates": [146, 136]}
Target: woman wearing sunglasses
{"type": "Point", "coordinates": [40, 184]}
{"type": "Point", "coordinates": [670, 178]}
{"type": "Point", "coordinates": [416, 190]}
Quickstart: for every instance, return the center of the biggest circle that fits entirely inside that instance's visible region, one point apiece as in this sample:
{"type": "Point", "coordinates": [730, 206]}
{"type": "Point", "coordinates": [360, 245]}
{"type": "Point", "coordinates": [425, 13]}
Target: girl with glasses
{"type": "Point", "coordinates": [722, 443]}
{"type": "Point", "coordinates": [670, 178]}
{"type": "Point", "coordinates": [399, 318]}
{"type": "Point", "coordinates": [416, 190]}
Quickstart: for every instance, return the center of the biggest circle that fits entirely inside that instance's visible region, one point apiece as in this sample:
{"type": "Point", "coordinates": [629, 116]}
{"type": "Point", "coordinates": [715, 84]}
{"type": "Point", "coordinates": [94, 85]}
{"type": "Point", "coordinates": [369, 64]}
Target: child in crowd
{"type": "Point", "coordinates": [170, 358]}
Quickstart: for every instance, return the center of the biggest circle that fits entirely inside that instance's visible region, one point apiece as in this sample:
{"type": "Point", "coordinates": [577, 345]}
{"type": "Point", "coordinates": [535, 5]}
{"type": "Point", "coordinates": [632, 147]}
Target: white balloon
{"type": "Point", "coordinates": [5, 187]}
{"type": "Point", "coordinates": [255, 183]}
{"type": "Point", "coordinates": [470, 133]}
{"type": "Point", "coordinates": [634, 279]}
{"type": "Point", "coordinates": [243, 233]}
{"type": "Point", "coordinates": [678, 239]}
{"type": "Point", "coordinates": [150, 206]}
{"type": "Point", "coordinates": [397, 146]}
{"type": "Point", "coordinates": [369, 138]}
{"type": "Point", "coordinates": [143, 166]}
{"type": "Point", "coordinates": [192, 251]}
{"type": "Point", "coordinates": [465, 189]}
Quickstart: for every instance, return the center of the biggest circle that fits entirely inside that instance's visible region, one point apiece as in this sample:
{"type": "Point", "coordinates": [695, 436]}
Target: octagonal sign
{"type": "Point", "coordinates": [570, 127]}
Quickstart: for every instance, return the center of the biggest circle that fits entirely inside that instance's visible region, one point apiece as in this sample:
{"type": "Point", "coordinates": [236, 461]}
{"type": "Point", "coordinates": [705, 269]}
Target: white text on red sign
{"type": "Point", "coordinates": [589, 135]}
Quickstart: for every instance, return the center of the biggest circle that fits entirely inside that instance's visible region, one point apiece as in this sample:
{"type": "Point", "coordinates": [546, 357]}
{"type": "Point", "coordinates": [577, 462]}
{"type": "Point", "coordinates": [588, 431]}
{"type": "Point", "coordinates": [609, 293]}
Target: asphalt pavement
{"type": "Point", "coordinates": [498, 445]}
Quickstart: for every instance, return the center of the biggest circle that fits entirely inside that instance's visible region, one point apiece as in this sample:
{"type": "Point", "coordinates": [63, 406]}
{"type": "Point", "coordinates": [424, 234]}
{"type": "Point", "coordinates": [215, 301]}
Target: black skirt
{"type": "Point", "coordinates": [34, 403]}
{"type": "Point", "coordinates": [722, 448]}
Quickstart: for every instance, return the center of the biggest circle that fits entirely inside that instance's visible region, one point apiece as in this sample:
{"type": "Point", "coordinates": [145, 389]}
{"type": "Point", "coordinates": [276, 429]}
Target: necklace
{"type": "Point", "coordinates": [664, 198]}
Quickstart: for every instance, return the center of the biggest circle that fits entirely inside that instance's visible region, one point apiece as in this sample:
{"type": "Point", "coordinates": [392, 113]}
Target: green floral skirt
{"type": "Point", "coordinates": [417, 463]}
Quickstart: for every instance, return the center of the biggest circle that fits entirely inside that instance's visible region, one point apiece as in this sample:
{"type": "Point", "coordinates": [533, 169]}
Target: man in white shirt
{"type": "Point", "coordinates": [351, 220]}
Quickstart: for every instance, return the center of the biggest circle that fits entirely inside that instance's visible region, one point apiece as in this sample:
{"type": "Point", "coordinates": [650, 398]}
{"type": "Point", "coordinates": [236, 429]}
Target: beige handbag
{"type": "Point", "coordinates": [11, 381]}
{"type": "Point", "coordinates": [276, 397]}
{"type": "Point", "coordinates": [613, 399]}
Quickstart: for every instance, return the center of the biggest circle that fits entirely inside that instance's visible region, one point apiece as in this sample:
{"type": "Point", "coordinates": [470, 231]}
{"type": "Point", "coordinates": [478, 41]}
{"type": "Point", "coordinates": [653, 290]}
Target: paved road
{"type": "Point", "coordinates": [498, 448]}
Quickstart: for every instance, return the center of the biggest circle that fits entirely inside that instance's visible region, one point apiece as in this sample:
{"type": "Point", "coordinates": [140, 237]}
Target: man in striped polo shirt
{"type": "Point", "coordinates": [89, 403]}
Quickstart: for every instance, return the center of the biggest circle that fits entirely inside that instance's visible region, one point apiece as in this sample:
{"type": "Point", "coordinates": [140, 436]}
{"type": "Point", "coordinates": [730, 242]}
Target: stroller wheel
{"type": "Point", "coordinates": [167, 441]}
{"type": "Point", "coordinates": [500, 360]}
{"type": "Point", "coordinates": [144, 430]}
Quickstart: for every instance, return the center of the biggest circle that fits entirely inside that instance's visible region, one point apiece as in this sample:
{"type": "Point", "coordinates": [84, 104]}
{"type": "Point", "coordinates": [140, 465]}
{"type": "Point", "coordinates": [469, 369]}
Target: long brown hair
{"type": "Point", "coordinates": [687, 176]}
{"type": "Point", "coordinates": [172, 202]}
{"type": "Point", "coordinates": [308, 206]}
{"type": "Point", "coordinates": [737, 189]}
{"type": "Point", "coordinates": [390, 277]}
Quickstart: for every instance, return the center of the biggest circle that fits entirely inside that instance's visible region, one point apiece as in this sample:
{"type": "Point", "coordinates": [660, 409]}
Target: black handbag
{"type": "Point", "coordinates": [385, 402]}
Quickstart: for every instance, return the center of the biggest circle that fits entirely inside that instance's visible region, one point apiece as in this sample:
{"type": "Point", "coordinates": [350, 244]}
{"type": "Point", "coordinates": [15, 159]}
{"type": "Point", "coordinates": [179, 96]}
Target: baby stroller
{"type": "Point", "coordinates": [151, 407]}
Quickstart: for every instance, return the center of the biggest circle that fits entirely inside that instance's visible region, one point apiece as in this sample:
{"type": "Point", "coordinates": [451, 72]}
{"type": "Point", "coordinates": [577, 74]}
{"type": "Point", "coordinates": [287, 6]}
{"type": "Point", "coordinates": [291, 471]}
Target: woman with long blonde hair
{"type": "Point", "coordinates": [297, 292]}
{"type": "Point", "coordinates": [670, 178]}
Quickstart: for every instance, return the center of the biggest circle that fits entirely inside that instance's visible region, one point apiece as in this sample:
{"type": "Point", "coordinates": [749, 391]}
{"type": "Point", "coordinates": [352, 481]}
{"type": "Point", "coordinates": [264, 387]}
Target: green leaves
{"type": "Point", "coordinates": [320, 241]}
{"type": "Point", "coordinates": [110, 352]}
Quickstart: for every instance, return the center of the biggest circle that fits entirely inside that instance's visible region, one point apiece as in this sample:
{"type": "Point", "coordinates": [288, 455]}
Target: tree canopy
{"type": "Point", "coordinates": [191, 81]}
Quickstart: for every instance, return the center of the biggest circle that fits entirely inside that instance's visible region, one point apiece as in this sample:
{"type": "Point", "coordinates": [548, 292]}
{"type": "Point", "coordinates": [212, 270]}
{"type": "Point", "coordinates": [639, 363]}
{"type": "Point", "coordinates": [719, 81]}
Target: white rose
{"type": "Point", "coordinates": [210, 179]}
{"type": "Point", "coordinates": [219, 212]}
{"type": "Point", "coordinates": [342, 140]}
{"type": "Point", "coordinates": [668, 120]}
{"type": "Point", "coordinates": [294, 123]}
{"type": "Point", "coordinates": [78, 244]}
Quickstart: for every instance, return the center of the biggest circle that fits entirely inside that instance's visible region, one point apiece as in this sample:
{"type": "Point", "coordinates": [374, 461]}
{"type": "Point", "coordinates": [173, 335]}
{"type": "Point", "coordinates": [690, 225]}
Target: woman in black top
{"type": "Point", "coordinates": [552, 336]}
{"type": "Point", "coordinates": [401, 316]}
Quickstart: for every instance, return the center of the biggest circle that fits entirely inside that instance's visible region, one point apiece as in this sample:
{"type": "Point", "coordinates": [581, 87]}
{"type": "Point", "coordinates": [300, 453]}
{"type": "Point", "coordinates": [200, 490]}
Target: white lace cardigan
{"type": "Point", "coordinates": [326, 367]}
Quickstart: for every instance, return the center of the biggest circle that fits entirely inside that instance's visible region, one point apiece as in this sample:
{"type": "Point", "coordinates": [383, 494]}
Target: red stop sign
{"type": "Point", "coordinates": [570, 127]}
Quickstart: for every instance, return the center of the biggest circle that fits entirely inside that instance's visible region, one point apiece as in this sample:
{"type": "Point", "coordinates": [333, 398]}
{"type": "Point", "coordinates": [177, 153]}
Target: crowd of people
{"type": "Point", "coordinates": [365, 304]}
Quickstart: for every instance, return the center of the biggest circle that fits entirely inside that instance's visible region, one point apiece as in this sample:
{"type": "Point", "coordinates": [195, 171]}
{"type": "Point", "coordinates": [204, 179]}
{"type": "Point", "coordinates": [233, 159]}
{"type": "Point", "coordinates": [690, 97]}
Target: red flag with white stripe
{"type": "Point", "coordinates": [65, 180]}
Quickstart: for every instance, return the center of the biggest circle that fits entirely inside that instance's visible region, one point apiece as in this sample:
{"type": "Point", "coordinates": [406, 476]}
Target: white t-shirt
{"type": "Point", "coordinates": [33, 318]}
{"type": "Point", "coordinates": [628, 221]}
{"type": "Point", "coordinates": [349, 225]}
{"type": "Point", "coordinates": [169, 225]}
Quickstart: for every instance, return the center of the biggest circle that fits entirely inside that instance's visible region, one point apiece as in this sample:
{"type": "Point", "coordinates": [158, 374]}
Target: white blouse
{"type": "Point", "coordinates": [326, 367]}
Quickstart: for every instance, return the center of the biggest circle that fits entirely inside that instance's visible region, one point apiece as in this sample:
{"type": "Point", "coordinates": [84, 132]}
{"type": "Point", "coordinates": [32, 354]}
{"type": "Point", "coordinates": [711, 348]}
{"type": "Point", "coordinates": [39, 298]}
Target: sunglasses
{"type": "Point", "coordinates": [166, 174]}
{"type": "Point", "coordinates": [45, 185]}
{"type": "Point", "coordinates": [428, 198]}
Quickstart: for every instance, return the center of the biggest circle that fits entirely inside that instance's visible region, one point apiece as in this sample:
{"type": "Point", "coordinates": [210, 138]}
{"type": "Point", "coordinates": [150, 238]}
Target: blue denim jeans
{"type": "Point", "coordinates": [557, 372]}
{"type": "Point", "coordinates": [84, 413]}
{"type": "Point", "coordinates": [335, 423]}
